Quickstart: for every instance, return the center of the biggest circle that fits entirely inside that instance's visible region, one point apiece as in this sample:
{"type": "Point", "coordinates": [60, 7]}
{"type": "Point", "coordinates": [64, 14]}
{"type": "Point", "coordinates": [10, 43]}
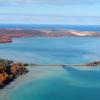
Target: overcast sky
{"type": "Point", "coordinates": [50, 12]}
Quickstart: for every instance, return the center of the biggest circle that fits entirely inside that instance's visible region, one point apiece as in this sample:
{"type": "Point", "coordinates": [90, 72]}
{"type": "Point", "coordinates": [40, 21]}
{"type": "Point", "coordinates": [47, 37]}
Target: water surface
{"type": "Point", "coordinates": [54, 83]}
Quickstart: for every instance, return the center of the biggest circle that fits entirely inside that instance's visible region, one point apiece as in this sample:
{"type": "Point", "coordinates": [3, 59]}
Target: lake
{"type": "Point", "coordinates": [54, 83]}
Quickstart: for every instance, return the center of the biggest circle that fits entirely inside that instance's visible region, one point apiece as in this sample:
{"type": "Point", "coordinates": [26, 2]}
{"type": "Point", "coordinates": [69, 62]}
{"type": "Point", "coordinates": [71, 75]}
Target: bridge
{"type": "Point", "coordinates": [91, 64]}
{"type": "Point", "coordinates": [61, 65]}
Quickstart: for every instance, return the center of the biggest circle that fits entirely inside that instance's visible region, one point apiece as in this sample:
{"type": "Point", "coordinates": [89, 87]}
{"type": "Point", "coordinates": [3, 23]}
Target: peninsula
{"type": "Point", "coordinates": [7, 34]}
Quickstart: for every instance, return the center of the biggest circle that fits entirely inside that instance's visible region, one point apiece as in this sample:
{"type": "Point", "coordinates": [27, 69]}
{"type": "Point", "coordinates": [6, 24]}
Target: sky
{"type": "Point", "coordinates": [74, 12]}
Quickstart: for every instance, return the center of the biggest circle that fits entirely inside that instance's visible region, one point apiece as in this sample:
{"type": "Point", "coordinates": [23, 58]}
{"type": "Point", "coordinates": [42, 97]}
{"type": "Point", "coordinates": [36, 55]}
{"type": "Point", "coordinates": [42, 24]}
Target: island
{"type": "Point", "coordinates": [9, 70]}
{"type": "Point", "coordinates": [7, 34]}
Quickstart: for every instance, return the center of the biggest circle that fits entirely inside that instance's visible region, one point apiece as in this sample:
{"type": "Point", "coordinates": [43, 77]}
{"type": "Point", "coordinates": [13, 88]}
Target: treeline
{"type": "Point", "coordinates": [9, 70]}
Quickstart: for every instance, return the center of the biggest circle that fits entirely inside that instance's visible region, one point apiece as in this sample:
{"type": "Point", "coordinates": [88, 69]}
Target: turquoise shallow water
{"type": "Point", "coordinates": [54, 83]}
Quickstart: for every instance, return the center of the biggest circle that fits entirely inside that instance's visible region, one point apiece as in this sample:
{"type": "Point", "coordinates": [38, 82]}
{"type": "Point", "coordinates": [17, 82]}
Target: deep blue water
{"type": "Point", "coordinates": [54, 83]}
{"type": "Point", "coordinates": [48, 26]}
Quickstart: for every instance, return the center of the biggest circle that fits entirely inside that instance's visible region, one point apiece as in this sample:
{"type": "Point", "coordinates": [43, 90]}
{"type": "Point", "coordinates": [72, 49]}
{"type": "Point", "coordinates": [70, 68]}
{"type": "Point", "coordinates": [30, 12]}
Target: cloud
{"type": "Point", "coordinates": [31, 19]}
{"type": "Point", "coordinates": [49, 2]}
{"type": "Point", "coordinates": [55, 11]}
